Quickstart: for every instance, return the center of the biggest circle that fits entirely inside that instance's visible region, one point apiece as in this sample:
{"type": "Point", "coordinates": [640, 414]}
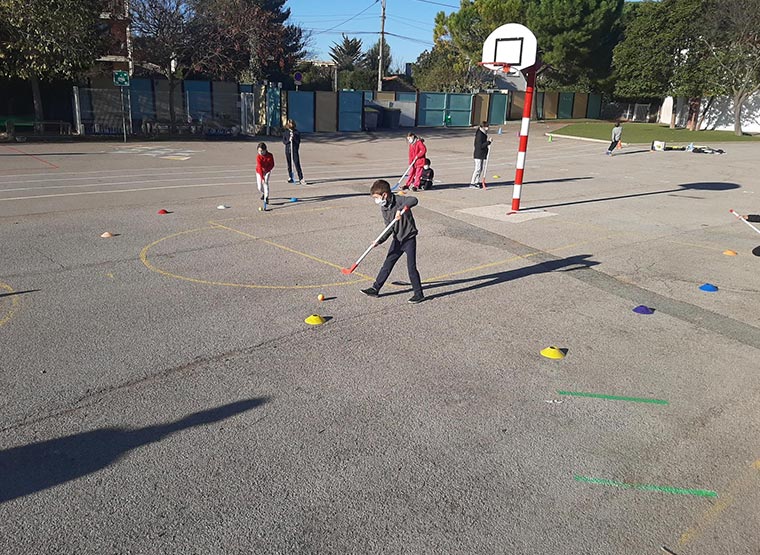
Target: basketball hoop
{"type": "Point", "coordinates": [496, 66]}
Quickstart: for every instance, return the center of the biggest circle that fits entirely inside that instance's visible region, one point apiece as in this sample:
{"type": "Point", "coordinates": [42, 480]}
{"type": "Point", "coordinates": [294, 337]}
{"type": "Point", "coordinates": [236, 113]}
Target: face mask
{"type": "Point", "coordinates": [410, 140]}
{"type": "Point", "coordinates": [426, 167]}
{"type": "Point", "coordinates": [261, 152]}
{"type": "Point", "coordinates": [381, 201]}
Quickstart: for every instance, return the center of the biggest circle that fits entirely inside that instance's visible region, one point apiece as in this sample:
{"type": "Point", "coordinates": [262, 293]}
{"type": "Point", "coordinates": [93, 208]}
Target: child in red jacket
{"type": "Point", "coordinates": [264, 167]}
{"type": "Point", "coordinates": [417, 152]}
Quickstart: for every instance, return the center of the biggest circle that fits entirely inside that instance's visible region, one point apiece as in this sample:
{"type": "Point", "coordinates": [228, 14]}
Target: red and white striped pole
{"type": "Point", "coordinates": [523, 148]}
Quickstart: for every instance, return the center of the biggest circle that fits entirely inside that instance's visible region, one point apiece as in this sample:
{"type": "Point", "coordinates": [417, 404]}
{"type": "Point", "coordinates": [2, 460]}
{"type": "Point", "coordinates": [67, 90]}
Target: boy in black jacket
{"type": "Point", "coordinates": [480, 154]}
{"type": "Point", "coordinates": [426, 177]}
{"type": "Point", "coordinates": [404, 238]}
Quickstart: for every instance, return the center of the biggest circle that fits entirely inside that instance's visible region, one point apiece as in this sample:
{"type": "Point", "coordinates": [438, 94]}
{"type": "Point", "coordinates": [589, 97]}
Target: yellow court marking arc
{"type": "Point", "coordinates": [294, 212]}
{"type": "Point", "coordinates": [161, 271]}
{"type": "Point", "coordinates": [14, 304]}
{"type": "Point", "coordinates": [726, 500]}
{"type": "Point", "coordinates": [214, 224]}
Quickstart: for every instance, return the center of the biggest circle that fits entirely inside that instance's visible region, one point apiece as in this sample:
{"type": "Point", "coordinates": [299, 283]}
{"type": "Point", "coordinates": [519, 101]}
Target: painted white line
{"type": "Point", "coordinates": [85, 185]}
{"type": "Point", "coordinates": [125, 191]}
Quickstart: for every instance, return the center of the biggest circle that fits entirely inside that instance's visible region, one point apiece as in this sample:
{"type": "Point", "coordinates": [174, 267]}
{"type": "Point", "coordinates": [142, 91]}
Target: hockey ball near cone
{"type": "Point", "coordinates": [730, 252]}
{"type": "Point", "coordinates": [162, 212]}
{"type": "Point", "coordinates": [315, 320]}
{"type": "Point", "coordinates": [106, 235]}
{"type": "Point", "coordinates": [709, 287]}
{"type": "Point", "coordinates": [553, 353]}
{"type": "Point", "coordinates": [641, 309]}
{"type": "Point", "coordinates": [320, 297]}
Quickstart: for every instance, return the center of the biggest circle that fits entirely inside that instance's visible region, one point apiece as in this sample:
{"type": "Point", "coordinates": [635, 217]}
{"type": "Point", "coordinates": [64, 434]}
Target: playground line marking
{"type": "Point", "coordinates": [645, 487]}
{"type": "Point", "coordinates": [613, 397]}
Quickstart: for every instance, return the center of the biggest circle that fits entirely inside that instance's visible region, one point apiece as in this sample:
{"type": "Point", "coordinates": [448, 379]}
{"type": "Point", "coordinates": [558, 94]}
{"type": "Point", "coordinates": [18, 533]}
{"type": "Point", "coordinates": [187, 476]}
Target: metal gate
{"type": "Point", "coordinates": [350, 109]}
{"type": "Point", "coordinates": [451, 109]}
{"type": "Point", "coordinates": [301, 110]}
{"type": "Point", "coordinates": [497, 111]}
{"type": "Point", "coordinates": [565, 110]}
{"type": "Point", "coordinates": [458, 109]}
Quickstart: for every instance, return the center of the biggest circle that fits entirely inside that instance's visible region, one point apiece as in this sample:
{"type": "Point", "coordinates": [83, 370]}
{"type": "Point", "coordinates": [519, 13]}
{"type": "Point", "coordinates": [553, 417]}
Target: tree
{"type": "Point", "coordinates": [443, 68]}
{"type": "Point", "coordinates": [469, 27]}
{"type": "Point", "coordinates": [733, 43]}
{"type": "Point", "coordinates": [662, 54]}
{"type": "Point", "coordinates": [347, 53]}
{"type": "Point", "coordinates": [43, 40]}
{"type": "Point", "coordinates": [372, 56]}
{"type": "Point", "coordinates": [245, 40]}
{"type": "Point", "coordinates": [163, 40]}
{"type": "Point", "coordinates": [576, 39]}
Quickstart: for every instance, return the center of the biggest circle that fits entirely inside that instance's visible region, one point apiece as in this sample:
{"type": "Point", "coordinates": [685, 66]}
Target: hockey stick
{"type": "Point", "coordinates": [742, 219]}
{"type": "Point", "coordinates": [485, 166]}
{"type": "Point", "coordinates": [372, 246]}
{"type": "Point", "coordinates": [403, 176]}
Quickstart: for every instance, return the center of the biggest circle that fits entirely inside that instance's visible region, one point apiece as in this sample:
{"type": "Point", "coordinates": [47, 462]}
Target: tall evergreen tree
{"type": "Point", "coordinates": [347, 53]}
{"type": "Point", "coordinates": [576, 39]}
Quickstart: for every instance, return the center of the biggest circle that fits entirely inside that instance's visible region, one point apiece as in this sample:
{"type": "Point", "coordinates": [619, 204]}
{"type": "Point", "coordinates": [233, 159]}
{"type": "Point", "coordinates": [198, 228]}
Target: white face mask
{"type": "Point", "coordinates": [381, 201]}
{"type": "Point", "coordinates": [410, 140]}
{"type": "Point", "coordinates": [261, 152]}
{"type": "Point", "coordinates": [426, 167]}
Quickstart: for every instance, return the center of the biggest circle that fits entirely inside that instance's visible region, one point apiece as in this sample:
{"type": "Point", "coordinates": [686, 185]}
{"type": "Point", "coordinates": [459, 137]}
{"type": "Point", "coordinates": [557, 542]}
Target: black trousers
{"type": "Point", "coordinates": [291, 154]}
{"type": "Point", "coordinates": [397, 248]}
{"type": "Point", "coordinates": [613, 145]}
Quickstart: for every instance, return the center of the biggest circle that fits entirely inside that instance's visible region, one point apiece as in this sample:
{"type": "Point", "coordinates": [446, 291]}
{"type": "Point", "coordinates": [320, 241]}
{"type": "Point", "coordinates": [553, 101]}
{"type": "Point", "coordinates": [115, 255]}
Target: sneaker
{"type": "Point", "coordinates": [262, 197]}
{"type": "Point", "coordinates": [371, 292]}
{"type": "Point", "coordinates": [474, 186]}
{"type": "Point", "coordinates": [416, 299]}
{"type": "Point", "coordinates": [405, 188]}
{"type": "Point", "coordinates": [291, 180]}
{"type": "Point", "coordinates": [414, 189]}
{"type": "Point", "coordinates": [303, 182]}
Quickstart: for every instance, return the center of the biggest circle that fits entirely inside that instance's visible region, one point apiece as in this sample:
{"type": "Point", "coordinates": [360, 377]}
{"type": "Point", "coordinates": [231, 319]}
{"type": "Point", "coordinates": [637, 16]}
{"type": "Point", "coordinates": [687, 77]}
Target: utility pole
{"type": "Point", "coordinates": [382, 42]}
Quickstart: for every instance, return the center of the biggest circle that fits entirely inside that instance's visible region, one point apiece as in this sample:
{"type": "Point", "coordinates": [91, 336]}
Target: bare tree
{"type": "Point", "coordinates": [733, 39]}
{"type": "Point", "coordinates": [163, 41]}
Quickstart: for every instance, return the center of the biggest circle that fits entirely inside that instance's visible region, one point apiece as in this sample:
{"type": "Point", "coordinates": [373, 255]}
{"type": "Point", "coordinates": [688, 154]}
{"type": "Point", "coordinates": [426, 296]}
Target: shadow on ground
{"type": "Point", "coordinates": [577, 262]}
{"type": "Point", "coordinates": [702, 186]}
{"type": "Point", "coordinates": [39, 466]}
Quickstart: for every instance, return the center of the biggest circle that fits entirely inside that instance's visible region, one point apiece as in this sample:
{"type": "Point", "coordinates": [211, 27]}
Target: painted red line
{"type": "Point", "coordinates": [32, 155]}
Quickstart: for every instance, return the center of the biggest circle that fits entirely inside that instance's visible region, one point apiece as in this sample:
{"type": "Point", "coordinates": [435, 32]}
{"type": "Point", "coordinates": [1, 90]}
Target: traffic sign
{"type": "Point", "coordinates": [298, 77]}
{"type": "Point", "coordinates": [121, 78]}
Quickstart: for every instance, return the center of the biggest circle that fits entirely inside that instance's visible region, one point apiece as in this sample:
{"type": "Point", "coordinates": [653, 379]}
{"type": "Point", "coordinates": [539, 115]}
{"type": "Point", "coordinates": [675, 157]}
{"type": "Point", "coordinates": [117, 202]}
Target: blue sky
{"type": "Point", "coordinates": [408, 18]}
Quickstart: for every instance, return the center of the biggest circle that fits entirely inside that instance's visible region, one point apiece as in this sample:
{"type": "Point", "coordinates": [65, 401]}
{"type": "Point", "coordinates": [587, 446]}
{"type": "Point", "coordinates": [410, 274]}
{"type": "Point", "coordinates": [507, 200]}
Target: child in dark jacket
{"type": "Point", "coordinates": [426, 178]}
{"type": "Point", "coordinates": [752, 217]}
{"type": "Point", "coordinates": [404, 238]}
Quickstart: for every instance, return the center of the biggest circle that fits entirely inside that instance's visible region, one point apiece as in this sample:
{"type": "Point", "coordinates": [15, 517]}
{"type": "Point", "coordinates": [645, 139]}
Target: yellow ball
{"type": "Point", "coordinates": [261, 209]}
{"type": "Point", "coordinates": [320, 297]}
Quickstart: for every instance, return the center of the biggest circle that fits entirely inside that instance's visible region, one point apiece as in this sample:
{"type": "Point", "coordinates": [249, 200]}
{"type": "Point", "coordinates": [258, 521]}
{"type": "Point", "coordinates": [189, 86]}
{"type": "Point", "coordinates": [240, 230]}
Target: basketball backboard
{"type": "Point", "coordinates": [512, 44]}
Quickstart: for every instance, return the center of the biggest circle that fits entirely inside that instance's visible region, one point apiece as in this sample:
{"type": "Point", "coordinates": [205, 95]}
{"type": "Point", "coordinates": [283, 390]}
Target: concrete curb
{"type": "Point", "coordinates": [604, 141]}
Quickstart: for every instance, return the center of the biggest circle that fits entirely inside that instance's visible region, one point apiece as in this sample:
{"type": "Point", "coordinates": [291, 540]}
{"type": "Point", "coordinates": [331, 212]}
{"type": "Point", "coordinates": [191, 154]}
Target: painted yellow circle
{"type": "Point", "coordinates": [144, 257]}
{"type": "Point", "coordinates": [8, 314]}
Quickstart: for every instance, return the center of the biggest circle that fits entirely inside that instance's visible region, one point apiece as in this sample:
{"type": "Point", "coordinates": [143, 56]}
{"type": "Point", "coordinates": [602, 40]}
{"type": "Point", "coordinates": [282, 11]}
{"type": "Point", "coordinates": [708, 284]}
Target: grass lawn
{"type": "Point", "coordinates": [648, 132]}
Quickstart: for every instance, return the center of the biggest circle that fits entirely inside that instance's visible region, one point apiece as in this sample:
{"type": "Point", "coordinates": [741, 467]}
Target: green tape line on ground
{"type": "Point", "coordinates": [646, 487]}
{"type": "Point", "coordinates": [614, 397]}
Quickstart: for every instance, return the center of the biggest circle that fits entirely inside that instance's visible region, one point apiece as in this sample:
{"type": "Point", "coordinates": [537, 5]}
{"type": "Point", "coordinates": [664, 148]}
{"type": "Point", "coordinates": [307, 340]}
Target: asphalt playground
{"type": "Point", "coordinates": [163, 394]}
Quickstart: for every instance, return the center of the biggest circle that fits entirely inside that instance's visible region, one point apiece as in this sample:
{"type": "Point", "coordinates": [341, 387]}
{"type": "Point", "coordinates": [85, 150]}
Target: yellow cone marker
{"type": "Point", "coordinates": [553, 353]}
{"type": "Point", "coordinates": [497, 177]}
{"type": "Point", "coordinates": [315, 320]}
{"type": "Point", "coordinates": [730, 253]}
{"type": "Point", "coordinates": [107, 235]}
